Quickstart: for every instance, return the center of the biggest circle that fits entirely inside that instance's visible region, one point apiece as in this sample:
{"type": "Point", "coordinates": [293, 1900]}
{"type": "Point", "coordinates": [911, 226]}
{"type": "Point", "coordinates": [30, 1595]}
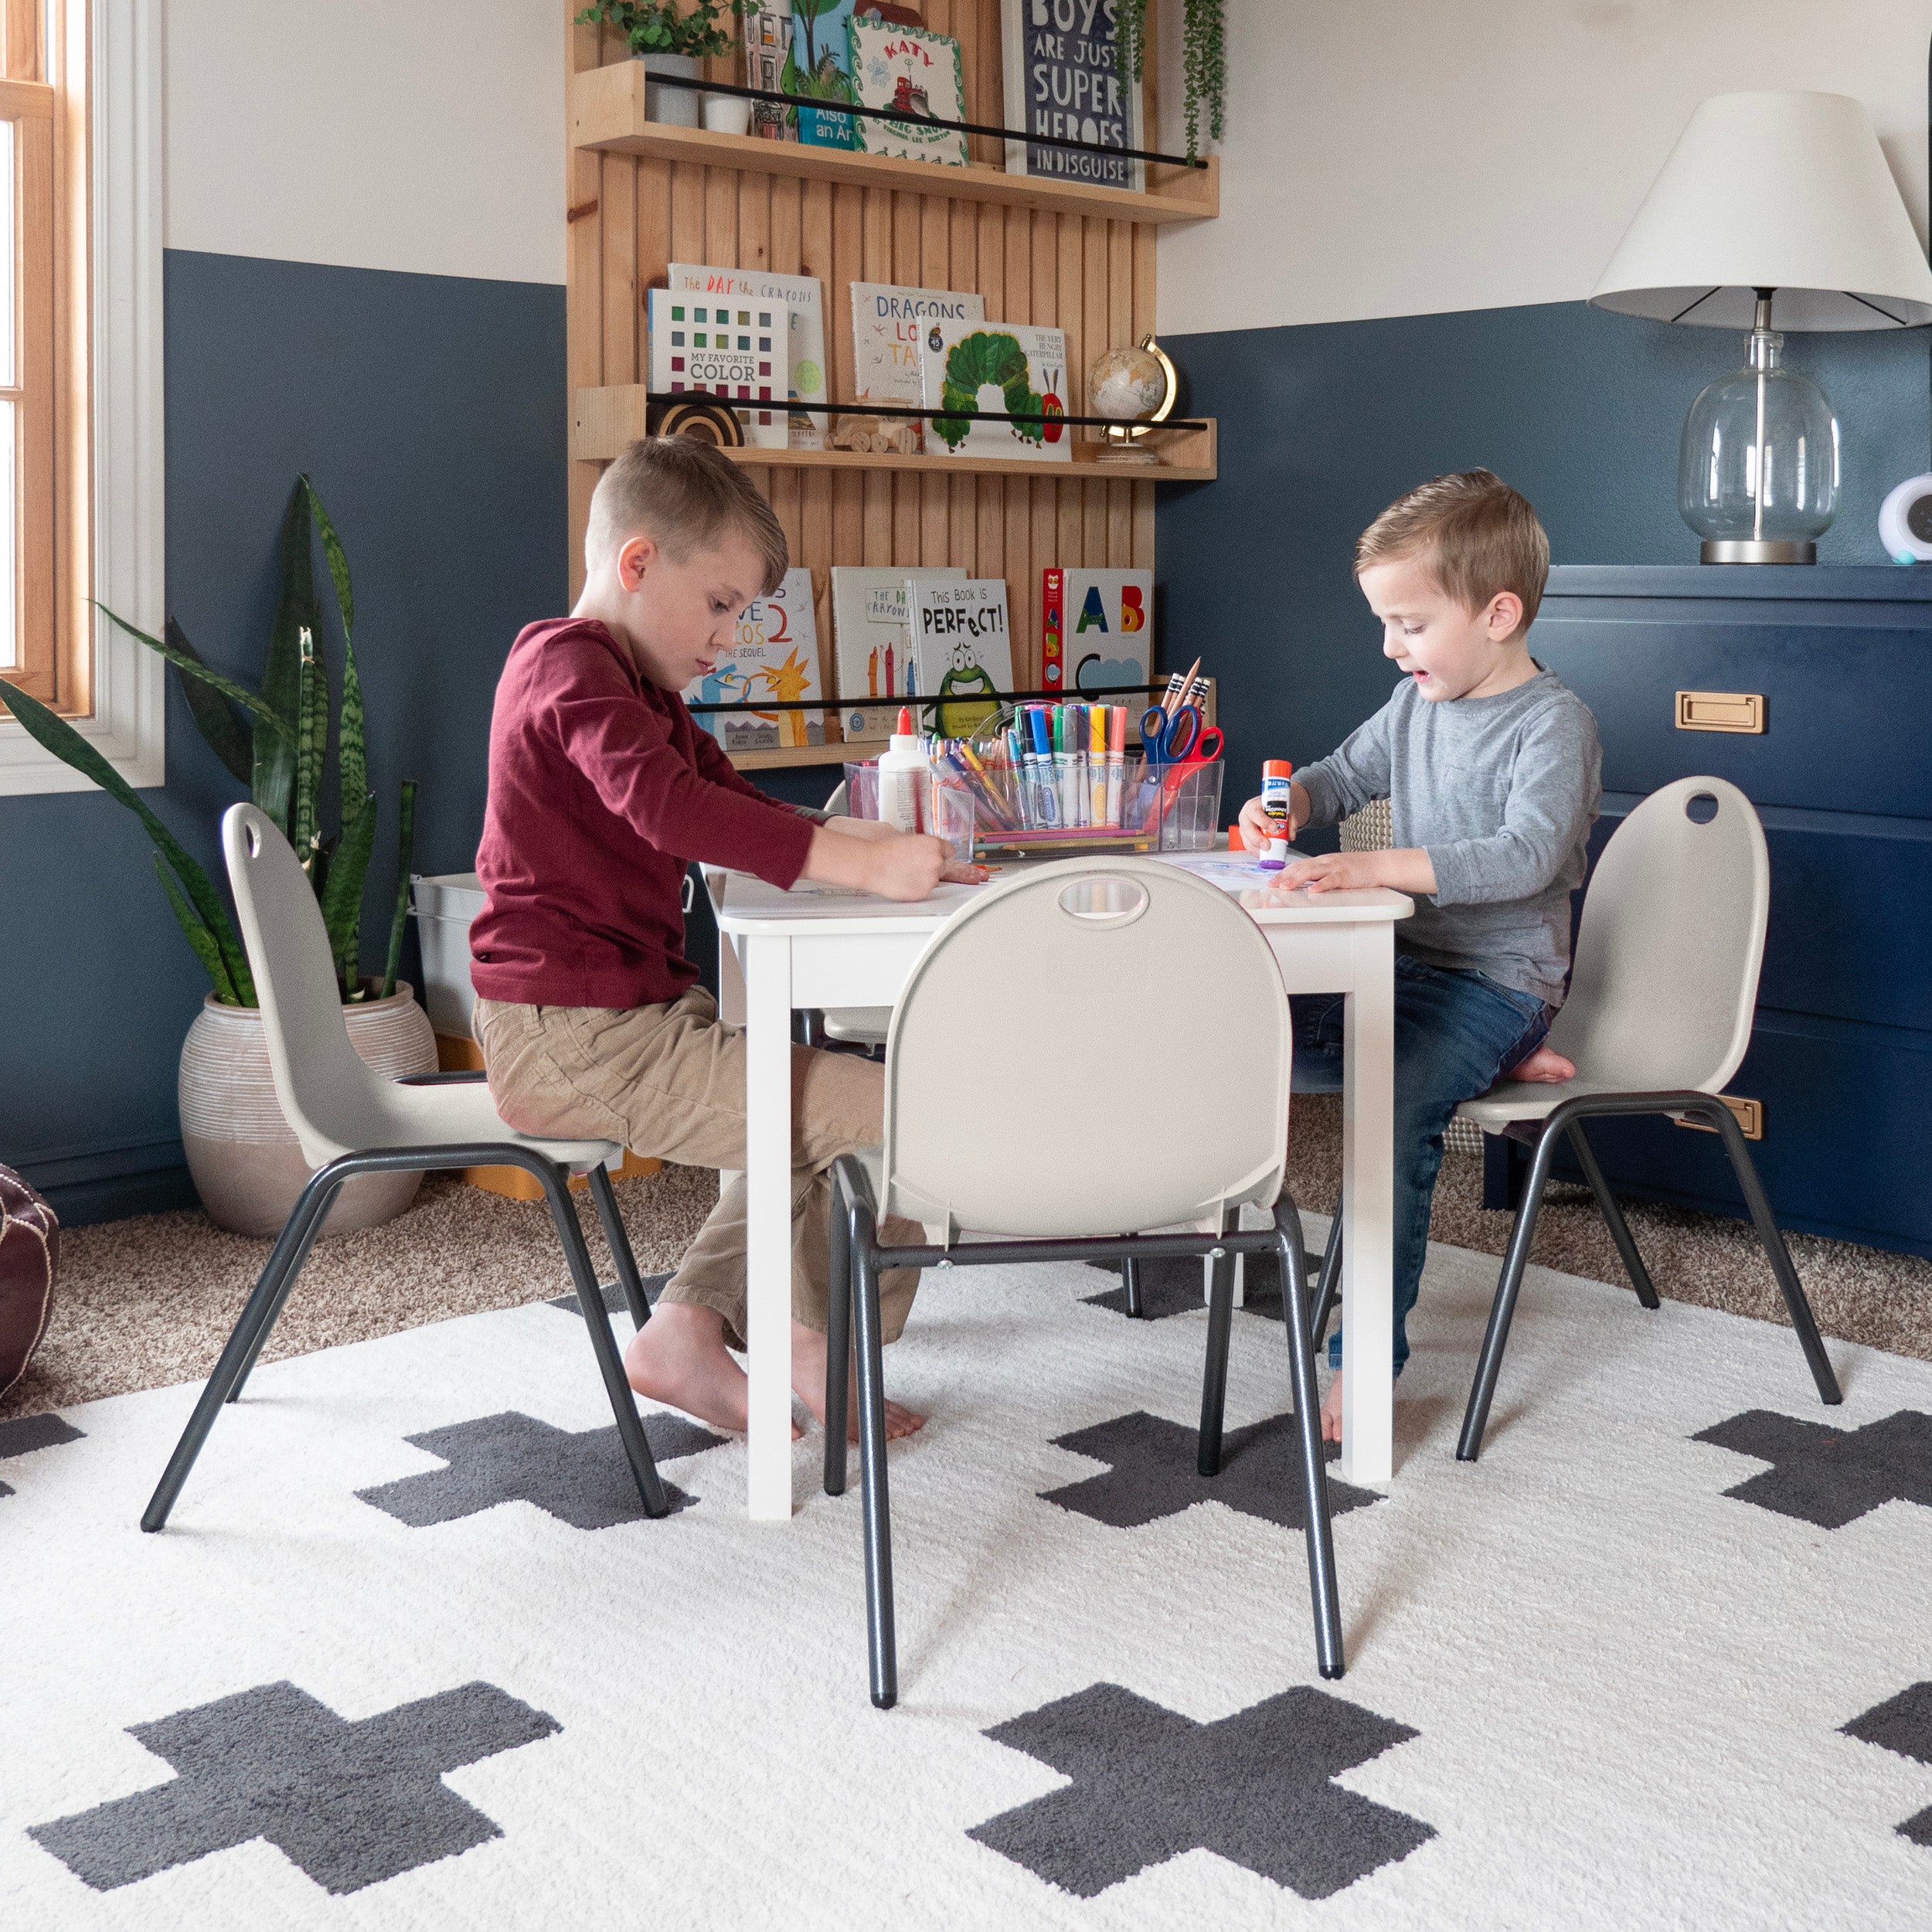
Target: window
{"type": "Point", "coordinates": [43, 361]}
{"type": "Point", "coordinates": [81, 495]}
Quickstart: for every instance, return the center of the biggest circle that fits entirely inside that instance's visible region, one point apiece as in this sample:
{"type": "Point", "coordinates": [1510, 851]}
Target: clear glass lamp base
{"type": "Point", "coordinates": [1744, 549]}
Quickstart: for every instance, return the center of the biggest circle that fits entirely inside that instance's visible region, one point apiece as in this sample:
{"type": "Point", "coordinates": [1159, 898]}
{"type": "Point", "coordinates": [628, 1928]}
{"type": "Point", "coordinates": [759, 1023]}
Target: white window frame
{"type": "Point", "coordinates": [129, 520]}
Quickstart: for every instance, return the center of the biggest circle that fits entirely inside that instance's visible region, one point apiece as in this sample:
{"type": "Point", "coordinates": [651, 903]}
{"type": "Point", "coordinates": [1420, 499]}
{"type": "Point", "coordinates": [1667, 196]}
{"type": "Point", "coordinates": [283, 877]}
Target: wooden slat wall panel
{"type": "Point", "coordinates": [1094, 279]}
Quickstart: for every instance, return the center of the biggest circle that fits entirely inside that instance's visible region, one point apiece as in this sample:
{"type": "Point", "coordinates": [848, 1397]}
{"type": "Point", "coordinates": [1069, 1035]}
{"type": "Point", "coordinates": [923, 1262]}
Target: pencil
{"type": "Point", "coordinates": [1173, 702]}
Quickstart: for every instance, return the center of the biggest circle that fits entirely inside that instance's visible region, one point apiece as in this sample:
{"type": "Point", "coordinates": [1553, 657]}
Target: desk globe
{"type": "Point", "coordinates": [1134, 388]}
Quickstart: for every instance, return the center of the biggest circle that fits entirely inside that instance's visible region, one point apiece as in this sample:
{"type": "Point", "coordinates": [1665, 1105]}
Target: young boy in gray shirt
{"type": "Point", "coordinates": [1490, 765]}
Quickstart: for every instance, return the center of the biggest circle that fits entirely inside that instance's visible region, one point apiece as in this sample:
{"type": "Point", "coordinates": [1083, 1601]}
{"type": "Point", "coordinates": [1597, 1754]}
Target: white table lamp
{"type": "Point", "coordinates": [1768, 195]}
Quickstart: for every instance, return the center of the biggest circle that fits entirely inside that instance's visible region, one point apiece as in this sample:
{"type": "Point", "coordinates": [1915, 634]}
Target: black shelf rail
{"type": "Point", "coordinates": [951, 415]}
{"type": "Point", "coordinates": [923, 703]}
{"type": "Point", "coordinates": [825, 107]}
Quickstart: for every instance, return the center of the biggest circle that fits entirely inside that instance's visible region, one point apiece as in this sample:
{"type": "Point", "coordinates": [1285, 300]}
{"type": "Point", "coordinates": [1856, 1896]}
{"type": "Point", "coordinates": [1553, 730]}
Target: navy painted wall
{"type": "Point", "coordinates": [431, 412]}
{"type": "Point", "coordinates": [1321, 426]}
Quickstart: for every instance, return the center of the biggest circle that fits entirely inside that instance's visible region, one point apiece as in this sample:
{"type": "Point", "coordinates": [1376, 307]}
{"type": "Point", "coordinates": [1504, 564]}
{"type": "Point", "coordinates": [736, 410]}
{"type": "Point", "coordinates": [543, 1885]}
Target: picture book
{"type": "Point", "coordinates": [911, 69]}
{"type": "Point", "coordinates": [1011, 367]}
{"type": "Point", "coordinates": [735, 350]}
{"type": "Point", "coordinates": [767, 39]}
{"type": "Point", "coordinates": [872, 629]}
{"type": "Point", "coordinates": [886, 324]}
{"type": "Point", "coordinates": [1059, 58]}
{"type": "Point", "coordinates": [1096, 629]}
{"type": "Point", "coordinates": [774, 655]}
{"type": "Point", "coordinates": [819, 62]}
{"type": "Point", "coordinates": [805, 362]}
{"type": "Point", "coordinates": [962, 648]}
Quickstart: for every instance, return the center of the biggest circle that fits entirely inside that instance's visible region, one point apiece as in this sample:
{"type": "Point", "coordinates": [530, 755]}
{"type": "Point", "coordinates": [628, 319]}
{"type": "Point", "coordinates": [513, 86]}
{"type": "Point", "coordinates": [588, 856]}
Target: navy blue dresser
{"type": "Point", "coordinates": [1840, 661]}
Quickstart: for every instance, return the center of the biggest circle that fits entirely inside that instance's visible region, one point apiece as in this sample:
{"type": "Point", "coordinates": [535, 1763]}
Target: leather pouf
{"type": "Point", "coordinates": [30, 1259]}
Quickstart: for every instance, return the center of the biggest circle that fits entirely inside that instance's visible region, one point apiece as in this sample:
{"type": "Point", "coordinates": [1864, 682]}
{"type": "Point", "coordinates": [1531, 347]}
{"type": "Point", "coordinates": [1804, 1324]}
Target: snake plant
{"type": "Point", "coordinates": [275, 741]}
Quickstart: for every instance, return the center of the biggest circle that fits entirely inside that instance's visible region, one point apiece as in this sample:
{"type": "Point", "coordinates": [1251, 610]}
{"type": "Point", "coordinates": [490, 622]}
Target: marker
{"type": "Point", "coordinates": [1065, 817]}
{"type": "Point", "coordinates": [1116, 759]}
{"type": "Point", "coordinates": [1096, 718]}
{"type": "Point", "coordinates": [1046, 792]}
{"type": "Point", "coordinates": [1277, 778]}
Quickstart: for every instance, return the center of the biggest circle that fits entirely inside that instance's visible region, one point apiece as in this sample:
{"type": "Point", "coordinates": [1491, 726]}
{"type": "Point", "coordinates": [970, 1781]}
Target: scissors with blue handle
{"type": "Point", "coordinates": [1181, 740]}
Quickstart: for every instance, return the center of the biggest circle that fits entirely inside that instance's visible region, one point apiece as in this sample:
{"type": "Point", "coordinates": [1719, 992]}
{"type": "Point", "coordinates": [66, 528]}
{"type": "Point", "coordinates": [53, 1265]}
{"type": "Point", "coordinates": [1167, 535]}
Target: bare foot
{"type": "Point", "coordinates": [679, 1356]}
{"type": "Point", "coordinates": [1545, 1066]}
{"type": "Point", "coordinates": [1332, 1410]}
{"type": "Point", "coordinates": [808, 1384]}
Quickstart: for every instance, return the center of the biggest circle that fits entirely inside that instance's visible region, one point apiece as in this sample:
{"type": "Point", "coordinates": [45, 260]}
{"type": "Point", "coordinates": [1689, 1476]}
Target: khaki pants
{"type": "Point", "coordinates": [670, 1081]}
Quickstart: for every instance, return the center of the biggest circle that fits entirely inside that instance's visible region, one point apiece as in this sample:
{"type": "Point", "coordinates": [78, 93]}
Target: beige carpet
{"type": "Point", "coordinates": [146, 1302]}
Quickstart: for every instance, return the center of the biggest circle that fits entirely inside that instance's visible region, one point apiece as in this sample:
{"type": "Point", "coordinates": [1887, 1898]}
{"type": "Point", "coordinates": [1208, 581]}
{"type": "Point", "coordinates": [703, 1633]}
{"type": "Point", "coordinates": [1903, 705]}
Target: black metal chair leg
{"type": "Point", "coordinates": [1772, 1239]}
{"type": "Point", "coordinates": [1489, 1365]}
{"type": "Point", "coordinates": [1328, 1284]}
{"type": "Point", "coordinates": [244, 1344]}
{"type": "Point", "coordinates": [603, 1344]}
{"type": "Point", "coordinates": [838, 1334]}
{"type": "Point", "coordinates": [619, 1244]}
{"type": "Point", "coordinates": [1323, 1590]}
{"type": "Point", "coordinates": [1613, 1216]}
{"type": "Point", "coordinates": [310, 1235]}
{"type": "Point", "coordinates": [883, 1641]}
{"type": "Point", "coordinates": [1214, 1375]}
{"type": "Point", "coordinates": [1131, 1281]}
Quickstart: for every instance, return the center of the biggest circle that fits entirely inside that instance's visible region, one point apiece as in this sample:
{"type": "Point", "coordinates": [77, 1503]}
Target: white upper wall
{"type": "Point", "coordinates": [369, 134]}
{"type": "Point", "coordinates": [1412, 157]}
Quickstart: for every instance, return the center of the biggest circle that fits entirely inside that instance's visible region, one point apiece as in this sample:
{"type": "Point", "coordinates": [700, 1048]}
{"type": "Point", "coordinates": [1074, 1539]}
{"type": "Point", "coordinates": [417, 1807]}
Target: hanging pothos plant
{"type": "Point", "coordinates": [1204, 62]}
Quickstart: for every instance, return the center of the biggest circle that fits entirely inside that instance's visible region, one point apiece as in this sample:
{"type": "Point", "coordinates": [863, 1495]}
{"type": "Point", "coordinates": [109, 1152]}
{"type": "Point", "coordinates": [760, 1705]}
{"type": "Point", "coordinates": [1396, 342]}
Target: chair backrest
{"type": "Point", "coordinates": [835, 804]}
{"type": "Point", "coordinates": [1098, 1047]}
{"type": "Point", "coordinates": [327, 1093]}
{"type": "Point", "coordinates": [1666, 977]}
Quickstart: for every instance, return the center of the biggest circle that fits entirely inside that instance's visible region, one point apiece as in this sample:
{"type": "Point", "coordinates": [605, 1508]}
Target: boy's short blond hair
{"type": "Point", "coordinates": [1476, 534]}
{"type": "Point", "coordinates": [684, 495]}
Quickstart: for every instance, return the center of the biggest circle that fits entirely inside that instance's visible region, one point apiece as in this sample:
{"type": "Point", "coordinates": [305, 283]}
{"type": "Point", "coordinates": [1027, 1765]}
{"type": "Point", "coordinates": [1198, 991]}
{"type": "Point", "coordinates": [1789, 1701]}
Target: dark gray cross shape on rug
{"type": "Point", "coordinates": [580, 1477]}
{"type": "Point", "coordinates": [352, 1803]}
{"type": "Point", "coordinates": [1827, 1476]}
{"type": "Point", "coordinates": [1154, 1474]}
{"type": "Point", "coordinates": [613, 1301]}
{"type": "Point", "coordinates": [1149, 1784]}
{"type": "Point", "coordinates": [1903, 1724]}
{"type": "Point", "coordinates": [1171, 1287]}
{"type": "Point", "coordinates": [25, 1434]}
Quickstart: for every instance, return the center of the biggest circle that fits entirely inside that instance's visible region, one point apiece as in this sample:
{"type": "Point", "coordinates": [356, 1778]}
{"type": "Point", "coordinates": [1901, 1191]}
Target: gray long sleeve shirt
{"type": "Point", "coordinates": [1501, 793]}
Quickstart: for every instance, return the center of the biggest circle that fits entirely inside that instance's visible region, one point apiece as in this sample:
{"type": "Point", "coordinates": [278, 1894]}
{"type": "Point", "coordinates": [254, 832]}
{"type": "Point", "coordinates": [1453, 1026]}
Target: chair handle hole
{"type": "Point", "coordinates": [1700, 808]}
{"type": "Point", "coordinates": [253, 836]}
{"type": "Point", "coordinates": [1103, 900]}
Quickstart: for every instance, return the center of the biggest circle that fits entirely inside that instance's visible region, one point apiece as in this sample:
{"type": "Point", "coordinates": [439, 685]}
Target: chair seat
{"type": "Point", "coordinates": [1508, 1101]}
{"type": "Point", "coordinates": [456, 1115]}
{"type": "Point", "coordinates": [858, 1026]}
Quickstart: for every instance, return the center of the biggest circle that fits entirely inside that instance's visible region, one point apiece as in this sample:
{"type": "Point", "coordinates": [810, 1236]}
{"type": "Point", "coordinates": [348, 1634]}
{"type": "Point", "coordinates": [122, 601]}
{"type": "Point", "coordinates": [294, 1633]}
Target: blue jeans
{"type": "Point", "coordinates": [1457, 1032]}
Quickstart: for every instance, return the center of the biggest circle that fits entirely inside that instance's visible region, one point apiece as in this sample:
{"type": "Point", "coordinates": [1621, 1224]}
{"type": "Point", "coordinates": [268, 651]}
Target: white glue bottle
{"type": "Point", "coordinates": [1277, 779]}
{"type": "Point", "coordinates": [905, 779]}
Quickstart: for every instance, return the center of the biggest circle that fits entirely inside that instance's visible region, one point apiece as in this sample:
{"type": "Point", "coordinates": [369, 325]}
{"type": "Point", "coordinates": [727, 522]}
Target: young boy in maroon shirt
{"type": "Point", "coordinates": [602, 790]}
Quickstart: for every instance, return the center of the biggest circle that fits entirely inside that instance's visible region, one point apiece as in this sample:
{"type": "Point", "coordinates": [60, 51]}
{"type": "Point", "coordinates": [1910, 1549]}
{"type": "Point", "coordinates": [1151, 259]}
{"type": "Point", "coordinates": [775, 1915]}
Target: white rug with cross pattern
{"type": "Point", "coordinates": [409, 1655]}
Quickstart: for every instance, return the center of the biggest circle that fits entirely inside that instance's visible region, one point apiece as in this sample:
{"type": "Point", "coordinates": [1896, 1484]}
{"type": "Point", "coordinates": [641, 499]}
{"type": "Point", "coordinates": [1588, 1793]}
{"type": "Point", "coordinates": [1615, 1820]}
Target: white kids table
{"type": "Point", "coordinates": [781, 950]}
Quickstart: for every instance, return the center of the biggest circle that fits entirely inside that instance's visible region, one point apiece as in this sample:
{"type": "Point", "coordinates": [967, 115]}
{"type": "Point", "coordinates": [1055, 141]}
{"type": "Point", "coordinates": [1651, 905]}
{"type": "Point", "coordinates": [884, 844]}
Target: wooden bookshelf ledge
{"type": "Point", "coordinates": [607, 113]}
{"type": "Point", "coordinates": [604, 420]}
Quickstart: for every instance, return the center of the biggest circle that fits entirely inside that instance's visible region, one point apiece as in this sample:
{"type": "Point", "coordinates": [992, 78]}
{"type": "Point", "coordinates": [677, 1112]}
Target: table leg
{"type": "Point", "coordinates": [1368, 1126]}
{"type": "Point", "coordinates": [767, 1014]}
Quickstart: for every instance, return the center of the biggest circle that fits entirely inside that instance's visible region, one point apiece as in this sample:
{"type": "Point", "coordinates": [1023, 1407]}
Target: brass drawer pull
{"type": "Point", "coordinates": [1720, 711]}
{"type": "Point", "coordinates": [1750, 1117]}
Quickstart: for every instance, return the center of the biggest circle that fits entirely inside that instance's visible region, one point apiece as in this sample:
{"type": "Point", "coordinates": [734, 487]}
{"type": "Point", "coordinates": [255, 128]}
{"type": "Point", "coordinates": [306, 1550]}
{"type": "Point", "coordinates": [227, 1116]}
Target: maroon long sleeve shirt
{"type": "Point", "coordinates": [602, 790]}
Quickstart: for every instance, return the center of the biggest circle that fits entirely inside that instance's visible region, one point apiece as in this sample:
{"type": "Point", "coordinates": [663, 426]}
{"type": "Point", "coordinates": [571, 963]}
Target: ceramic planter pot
{"type": "Point", "coordinates": [676, 107]}
{"type": "Point", "coordinates": [248, 1165]}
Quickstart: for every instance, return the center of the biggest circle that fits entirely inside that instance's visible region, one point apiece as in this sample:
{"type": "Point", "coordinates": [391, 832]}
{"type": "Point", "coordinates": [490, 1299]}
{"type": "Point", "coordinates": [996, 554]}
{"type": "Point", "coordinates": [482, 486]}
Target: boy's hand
{"type": "Point", "coordinates": [901, 864]}
{"type": "Point", "coordinates": [1407, 870]}
{"type": "Point", "coordinates": [1254, 824]}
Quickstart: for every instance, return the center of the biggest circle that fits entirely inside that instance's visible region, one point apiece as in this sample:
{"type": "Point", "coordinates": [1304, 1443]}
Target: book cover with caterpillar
{"type": "Point", "coordinates": [1012, 368]}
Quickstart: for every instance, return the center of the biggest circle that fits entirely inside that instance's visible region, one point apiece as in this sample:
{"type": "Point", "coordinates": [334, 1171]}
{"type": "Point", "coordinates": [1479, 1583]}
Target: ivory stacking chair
{"type": "Point", "coordinates": [351, 1121]}
{"type": "Point", "coordinates": [1072, 1167]}
{"type": "Point", "coordinates": [1658, 1018]}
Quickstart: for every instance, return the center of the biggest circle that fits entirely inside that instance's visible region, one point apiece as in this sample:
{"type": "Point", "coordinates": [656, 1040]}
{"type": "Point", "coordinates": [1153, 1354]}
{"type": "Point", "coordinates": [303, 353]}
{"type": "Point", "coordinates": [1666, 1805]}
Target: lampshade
{"type": "Point", "coordinates": [1783, 190]}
